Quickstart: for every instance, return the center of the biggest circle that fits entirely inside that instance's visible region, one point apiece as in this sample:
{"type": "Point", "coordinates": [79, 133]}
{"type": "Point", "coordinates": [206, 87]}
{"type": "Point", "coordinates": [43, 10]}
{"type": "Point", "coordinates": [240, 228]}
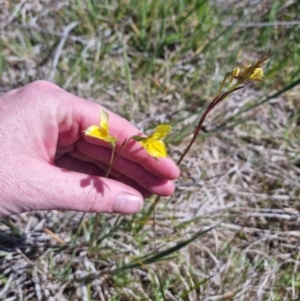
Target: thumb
{"type": "Point", "coordinates": [49, 187]}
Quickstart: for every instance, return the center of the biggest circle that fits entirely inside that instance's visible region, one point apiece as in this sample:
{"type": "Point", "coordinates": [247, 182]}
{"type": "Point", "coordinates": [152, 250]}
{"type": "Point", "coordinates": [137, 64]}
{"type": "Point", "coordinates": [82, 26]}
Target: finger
{"type": "Point", "coordinates": [128, 168]}
{"type": "Point", "coordinates": [70, 163]}
{"type": "Point", "coordinates": [50, 187]}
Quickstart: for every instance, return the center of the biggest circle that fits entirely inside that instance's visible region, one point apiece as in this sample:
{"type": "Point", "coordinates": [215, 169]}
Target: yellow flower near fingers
{"type": "Point", "coordinates": [101, 132]}
{"type": "Point", "coordinates": [153, 143]}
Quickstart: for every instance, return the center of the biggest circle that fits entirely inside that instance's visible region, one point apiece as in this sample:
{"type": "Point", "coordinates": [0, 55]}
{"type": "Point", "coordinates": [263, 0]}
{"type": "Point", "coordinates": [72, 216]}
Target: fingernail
{"type": "Point", "coordinates": [127, 203]}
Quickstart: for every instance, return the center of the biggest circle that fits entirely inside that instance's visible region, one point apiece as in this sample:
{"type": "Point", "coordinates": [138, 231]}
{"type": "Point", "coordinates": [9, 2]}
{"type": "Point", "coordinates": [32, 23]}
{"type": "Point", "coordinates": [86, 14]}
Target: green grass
{"type": "Point", "coordinates": [164, 60]}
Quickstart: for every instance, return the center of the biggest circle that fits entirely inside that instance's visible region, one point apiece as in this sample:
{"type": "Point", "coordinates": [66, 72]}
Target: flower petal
{"type": "Point", "coordinates": [160, 132]}
{"type": "Point", "coordinates": [258, 73]}
{"type": "Point", "coordinates": [104, 120]}
{"type": "Point", "coordinates": [94, 131]}
{"type": "Point", "coordinates": [111, 140]}
{"type": "Point", "coordinates": [156, 149]}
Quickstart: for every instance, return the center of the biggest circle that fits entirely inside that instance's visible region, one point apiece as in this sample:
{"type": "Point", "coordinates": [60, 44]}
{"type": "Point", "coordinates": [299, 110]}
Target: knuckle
{"type": "Point", "coordinates": [40, 85]}
{"type": "Point", "coordinates": [37, 92]}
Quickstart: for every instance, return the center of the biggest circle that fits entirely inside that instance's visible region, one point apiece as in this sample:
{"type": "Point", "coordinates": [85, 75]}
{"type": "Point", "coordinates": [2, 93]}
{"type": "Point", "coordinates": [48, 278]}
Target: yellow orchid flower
{"type": "Point", "coordinates": [250, 72]}
{"type": "Point", "coordinates": [257, 74]}
{"type": "Point", "coordinates": [153, 143]}
{"type": "Point", "coordinates": [101, 132]}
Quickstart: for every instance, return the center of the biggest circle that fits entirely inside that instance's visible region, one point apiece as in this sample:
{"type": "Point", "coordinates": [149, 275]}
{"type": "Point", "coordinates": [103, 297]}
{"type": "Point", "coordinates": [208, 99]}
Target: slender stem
{"type": "Point", "coordinates": [222, 84]}
{"type": "Point", "coordinates": [80, 224]}
{"type": "Point", "coordinates": [218, 99]}
{"type": "Point", "coordinates": [125, 142]}
{"type": "Point", "coordinates": [110, 163]}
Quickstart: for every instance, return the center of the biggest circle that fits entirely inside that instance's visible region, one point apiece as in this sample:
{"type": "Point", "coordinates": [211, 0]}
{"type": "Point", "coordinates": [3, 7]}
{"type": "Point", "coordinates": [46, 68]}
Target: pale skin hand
{"type": "Point", "coordinates": [47, 163]}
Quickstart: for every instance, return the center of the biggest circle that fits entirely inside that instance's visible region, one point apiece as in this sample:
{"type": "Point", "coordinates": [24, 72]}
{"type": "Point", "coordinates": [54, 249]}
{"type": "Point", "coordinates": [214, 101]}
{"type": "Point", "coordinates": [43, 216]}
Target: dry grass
{"type": "Point", "coordinates": [241, 176]}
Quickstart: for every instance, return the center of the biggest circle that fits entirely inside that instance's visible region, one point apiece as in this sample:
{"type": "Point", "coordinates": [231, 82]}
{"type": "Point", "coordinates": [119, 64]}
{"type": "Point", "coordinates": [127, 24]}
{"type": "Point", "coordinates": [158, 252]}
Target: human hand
{"type": "Point", "coordinates": [48, 163]}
